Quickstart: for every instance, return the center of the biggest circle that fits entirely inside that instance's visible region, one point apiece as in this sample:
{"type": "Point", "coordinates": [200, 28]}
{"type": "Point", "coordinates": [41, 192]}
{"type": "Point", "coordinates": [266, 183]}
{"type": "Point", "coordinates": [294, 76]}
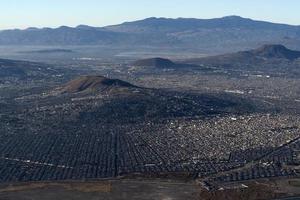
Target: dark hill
{"type": "Point", "coordinates": [256, 56]}
{"type": "Point", "coordinates": [155, 62]}
{"type": "Point", "coordinates": [16, 69]}
{"type": "Point", "coordinates": [88, 83]}
{"type": "Point", "coordinates": [272, 59]}
{"type": "Point", "coordinates": [276, 51]}
{"type": "Point", "coordinates": [10, 68]}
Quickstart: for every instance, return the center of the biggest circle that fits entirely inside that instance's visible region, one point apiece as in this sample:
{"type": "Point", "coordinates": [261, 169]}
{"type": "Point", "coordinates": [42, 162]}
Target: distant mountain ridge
{"type": "Point", "coordinates": [170, 24]}
{"type": "Point", "coordinates": [229, 33]}
{"type": "Point", "coordinates": [58, 36]}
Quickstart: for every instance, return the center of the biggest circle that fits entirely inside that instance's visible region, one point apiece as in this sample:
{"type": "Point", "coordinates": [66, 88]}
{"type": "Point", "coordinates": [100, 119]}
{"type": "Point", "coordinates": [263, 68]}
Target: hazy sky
{"type": "Point", "coordinates": [53, 13]}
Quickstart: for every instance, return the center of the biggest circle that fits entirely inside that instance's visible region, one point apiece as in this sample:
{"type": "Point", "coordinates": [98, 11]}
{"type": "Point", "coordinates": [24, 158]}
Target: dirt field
{"type": "Point", "coordinates": [148, 189]}
{"type": "Point", "coordinates": [116, 190]}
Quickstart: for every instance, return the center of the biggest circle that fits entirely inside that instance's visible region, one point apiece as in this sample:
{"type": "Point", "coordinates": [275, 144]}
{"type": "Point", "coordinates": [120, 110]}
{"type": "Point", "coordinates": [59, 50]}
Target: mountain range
{"type": "Point", "coordinates": [224, 34]}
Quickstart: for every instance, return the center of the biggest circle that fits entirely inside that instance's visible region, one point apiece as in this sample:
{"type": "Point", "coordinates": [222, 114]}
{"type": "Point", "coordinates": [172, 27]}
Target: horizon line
{"type": "Point", "coordinates": [141, 19]}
